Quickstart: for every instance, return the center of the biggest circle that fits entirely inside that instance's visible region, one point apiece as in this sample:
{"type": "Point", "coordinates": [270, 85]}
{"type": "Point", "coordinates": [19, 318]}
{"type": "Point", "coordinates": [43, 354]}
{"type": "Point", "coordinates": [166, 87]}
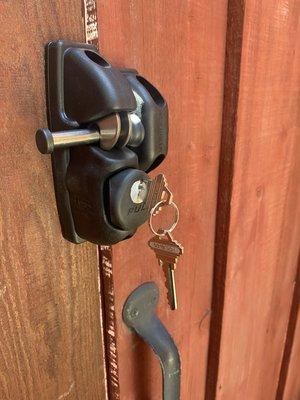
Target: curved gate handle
{"type": "Point", "coordinates": [139, 315]}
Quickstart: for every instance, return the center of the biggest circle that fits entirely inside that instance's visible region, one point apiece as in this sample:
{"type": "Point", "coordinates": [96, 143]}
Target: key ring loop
{"type": "Point", "coordinates": [163, 232]}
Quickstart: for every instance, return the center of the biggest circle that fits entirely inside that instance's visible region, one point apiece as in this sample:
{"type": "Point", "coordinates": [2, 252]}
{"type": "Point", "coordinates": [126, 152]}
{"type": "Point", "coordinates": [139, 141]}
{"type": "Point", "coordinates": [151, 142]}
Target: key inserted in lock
{"type": "Point", "coordinates": [107, 128]}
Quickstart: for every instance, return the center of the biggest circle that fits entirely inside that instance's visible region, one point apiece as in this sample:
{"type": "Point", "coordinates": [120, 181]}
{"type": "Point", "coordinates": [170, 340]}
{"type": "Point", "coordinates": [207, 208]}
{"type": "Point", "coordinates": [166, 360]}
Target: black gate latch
{"type": "Point", "coordinates": [107, 128]}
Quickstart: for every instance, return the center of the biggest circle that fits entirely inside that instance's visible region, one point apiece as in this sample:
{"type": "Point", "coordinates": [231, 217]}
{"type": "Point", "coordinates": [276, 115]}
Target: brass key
{"type": "Point", "coordinates": [167, 251]}
{"type": "Point", "coordinates": [158, 191]}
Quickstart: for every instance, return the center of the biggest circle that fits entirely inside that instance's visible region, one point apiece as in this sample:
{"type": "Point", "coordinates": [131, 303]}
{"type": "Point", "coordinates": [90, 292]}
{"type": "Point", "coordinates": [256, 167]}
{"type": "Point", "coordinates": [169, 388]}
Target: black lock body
{"type": "Point", "coordinates": [153, 111]}
{"type": "Point", "coordinates": [98, 211]}
{"type": "Point", "coordinates": [98, 192]}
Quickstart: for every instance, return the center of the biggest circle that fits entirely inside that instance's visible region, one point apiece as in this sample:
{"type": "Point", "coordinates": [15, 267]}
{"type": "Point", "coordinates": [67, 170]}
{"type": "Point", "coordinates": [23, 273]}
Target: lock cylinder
{"type": "Point", "coordinates": [128, 192]}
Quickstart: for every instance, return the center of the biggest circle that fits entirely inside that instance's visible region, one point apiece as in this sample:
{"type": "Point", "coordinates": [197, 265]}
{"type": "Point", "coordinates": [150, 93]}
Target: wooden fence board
{"type": "Point", "coordinates": [50, 345]}
{"type": "Point", "coordinates": [262, 226]}
{"type": "Point", "coordinates": [179, 47]}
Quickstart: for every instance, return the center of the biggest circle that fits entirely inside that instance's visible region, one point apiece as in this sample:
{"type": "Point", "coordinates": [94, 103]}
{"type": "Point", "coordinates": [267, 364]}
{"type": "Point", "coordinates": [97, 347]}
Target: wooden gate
{"type": "Point", "coordinates": [230, 72]}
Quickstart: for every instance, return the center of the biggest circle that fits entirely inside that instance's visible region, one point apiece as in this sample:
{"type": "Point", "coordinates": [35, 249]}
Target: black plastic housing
{"type": "Point", "coordinates": [153, 112]}
{"type": "Point", "coordinates": [88, 173]}
{"type": "Point", "coordinates": [93, 89]}
{"type": "Point", "coordinates": [82, 87]}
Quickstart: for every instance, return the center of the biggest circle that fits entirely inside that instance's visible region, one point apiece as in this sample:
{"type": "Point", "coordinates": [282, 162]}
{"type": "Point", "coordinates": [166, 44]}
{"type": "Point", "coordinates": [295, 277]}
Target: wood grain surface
{"type": "Point", "coordinates": [50, 346]}
{"type": "Point", "coordinates": [234, 42]}
{"type": "Point", "coordinates": [179, 46]}
{"type": "Point", "coordinates": [289, 382]}
{"type": "Point", "coordinates": [263, 216]}
{"type": "Point", "coordinates": [292, 384]}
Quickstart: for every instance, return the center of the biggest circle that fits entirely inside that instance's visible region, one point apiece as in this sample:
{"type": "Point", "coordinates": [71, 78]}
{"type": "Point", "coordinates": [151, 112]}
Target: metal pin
{"type": "Point", "coordinates": [109, 132]}
{"type": "Point", "coordinates": [47, 141]}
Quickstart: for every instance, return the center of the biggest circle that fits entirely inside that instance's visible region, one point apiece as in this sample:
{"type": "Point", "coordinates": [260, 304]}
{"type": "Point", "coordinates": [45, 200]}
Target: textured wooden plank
{"type": "Point", "coordinates": [179, 46]}
{"type": "Point", "coordinates": [263, 221]}
{"type": "Point", "coordinates": [292, 386]}
{"type": "Point", "coordinates": [234, 35]}
{"type": "Point", "coordinates": [50, 345]}
{"type": "Point", "coordinates": [289, 383]}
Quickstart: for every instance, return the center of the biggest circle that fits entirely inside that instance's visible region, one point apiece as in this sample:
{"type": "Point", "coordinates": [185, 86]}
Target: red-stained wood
{"type": "Point", "coordinates": [292, 383]}
{"type": "Point", "coordinates": [258, 231]}
{"type": "Point", "coordinates": [289, 382]}
{"type": "Point", "coordinates": [234, 35]}
{"type": "Point", "coordinates": [179, 46]}
{"type": "Point", "coordinates": [50, 346]}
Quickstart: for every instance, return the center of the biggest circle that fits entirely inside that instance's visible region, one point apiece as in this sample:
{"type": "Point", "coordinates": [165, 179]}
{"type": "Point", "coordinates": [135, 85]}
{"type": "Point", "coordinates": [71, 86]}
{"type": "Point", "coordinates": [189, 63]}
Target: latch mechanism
{"type": "Point", "coordinates": [107, 129]}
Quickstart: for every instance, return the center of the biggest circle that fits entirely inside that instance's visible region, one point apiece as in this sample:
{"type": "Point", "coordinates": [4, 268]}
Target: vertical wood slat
{"type": "Point", "coordinates": [106, 283]}
{"type": "Point", "coordinates": [50, 345]}
{"type": "Point", "coordinates": [256, 269]}
{"type": "Point", "coordinates": [289, 381]}
{"type": "Point", "coordinates": [179, 47]}
{"type": "Point", "coordinates": [292, 385]}
{"type": "Point", "coordinates": [234, 42]}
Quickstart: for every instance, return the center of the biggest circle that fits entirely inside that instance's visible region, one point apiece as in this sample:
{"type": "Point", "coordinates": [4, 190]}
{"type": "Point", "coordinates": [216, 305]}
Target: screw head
{"type": "Point", "coordinates": [134, 313]}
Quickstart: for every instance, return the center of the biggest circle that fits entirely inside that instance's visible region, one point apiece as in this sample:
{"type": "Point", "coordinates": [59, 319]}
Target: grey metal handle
{"type": "Point", "coordinates": [139, 315]}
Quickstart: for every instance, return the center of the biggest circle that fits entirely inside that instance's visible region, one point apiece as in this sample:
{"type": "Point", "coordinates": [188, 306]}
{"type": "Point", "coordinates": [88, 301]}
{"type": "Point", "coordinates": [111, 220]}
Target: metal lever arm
{"type": "Point", "coordinates": [139, 315]}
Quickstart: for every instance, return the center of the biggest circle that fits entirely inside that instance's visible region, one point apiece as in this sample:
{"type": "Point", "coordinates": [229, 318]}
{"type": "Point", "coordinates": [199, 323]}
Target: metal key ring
{"type": "Point", "coordinates": [163, 232]}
